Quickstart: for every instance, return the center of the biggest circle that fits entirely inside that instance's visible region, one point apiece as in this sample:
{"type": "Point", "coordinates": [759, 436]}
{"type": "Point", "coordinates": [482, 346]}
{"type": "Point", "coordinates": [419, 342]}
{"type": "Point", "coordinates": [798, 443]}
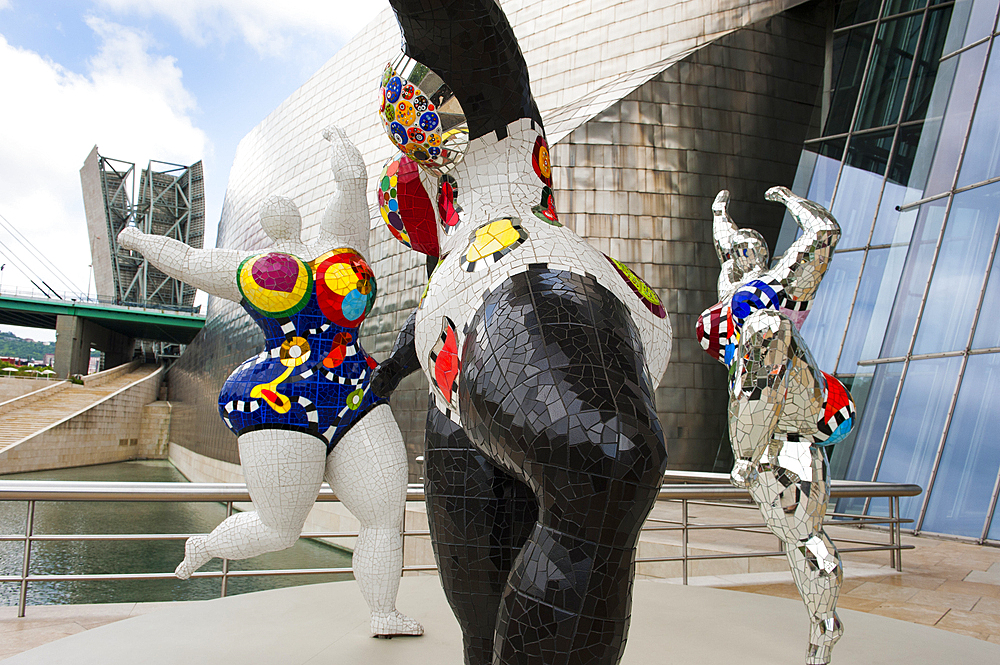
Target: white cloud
{"type": "Point", "coordinates": [269, 26]}
{"type": "Point", "coordinates": [130, 102]}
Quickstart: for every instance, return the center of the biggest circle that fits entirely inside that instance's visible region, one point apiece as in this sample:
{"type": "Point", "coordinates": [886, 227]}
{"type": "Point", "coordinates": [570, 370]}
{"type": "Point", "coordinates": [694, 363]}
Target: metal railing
{"type": "Point", "coordinates": [86, 298]}
{"type": "Point", "coordinates": [697, 493]}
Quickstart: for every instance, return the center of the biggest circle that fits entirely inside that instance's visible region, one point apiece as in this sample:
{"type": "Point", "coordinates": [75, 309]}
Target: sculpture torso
{"type": "Point", "coordinates": [313, 374]}
{"type": "Point", "coordinates": [719, 329]}
{"type": "Point", "coordinates": [505, 229]}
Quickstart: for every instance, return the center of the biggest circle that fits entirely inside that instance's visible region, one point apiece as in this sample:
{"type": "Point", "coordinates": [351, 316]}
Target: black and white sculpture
{"type": "Point", "coordinates": [544, 453]}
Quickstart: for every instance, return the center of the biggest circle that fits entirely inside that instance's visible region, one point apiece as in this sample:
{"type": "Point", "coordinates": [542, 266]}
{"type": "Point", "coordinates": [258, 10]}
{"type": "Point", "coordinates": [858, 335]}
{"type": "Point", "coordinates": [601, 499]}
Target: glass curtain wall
{"type": "Point", "coordinates": [908, 159]}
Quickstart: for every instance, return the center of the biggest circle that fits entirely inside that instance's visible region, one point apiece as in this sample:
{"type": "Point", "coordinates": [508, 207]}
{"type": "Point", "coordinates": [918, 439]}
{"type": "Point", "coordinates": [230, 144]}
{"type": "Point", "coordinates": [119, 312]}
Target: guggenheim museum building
{"type": "Point", "coordinates": [887, 112]}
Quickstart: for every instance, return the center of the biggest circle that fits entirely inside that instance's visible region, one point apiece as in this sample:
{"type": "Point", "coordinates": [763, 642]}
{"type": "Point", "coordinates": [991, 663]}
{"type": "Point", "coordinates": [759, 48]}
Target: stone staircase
{"type": "Point", "coordinates": [22, 418]}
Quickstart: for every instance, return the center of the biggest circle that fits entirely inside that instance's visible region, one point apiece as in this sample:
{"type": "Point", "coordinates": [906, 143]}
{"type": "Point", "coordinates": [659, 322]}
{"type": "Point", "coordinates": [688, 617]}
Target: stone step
{"type": "Point", "coordinates": [20, 423]}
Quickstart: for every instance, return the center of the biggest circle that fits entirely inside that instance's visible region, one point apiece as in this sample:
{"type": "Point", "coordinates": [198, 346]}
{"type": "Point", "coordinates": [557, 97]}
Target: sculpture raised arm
{"type": "Point", "coordinates": [211, 270]}
{"type": "Point", "coordinates": [802, 267]}
{"type": "Point", "coordinates": [340, 224]}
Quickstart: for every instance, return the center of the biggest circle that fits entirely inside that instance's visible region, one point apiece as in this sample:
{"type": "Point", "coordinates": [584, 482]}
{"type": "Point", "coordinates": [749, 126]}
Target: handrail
{"type": "Point", "coordinates": [50, 490]}
{"type": "Point", "coordinates": [32, 491]}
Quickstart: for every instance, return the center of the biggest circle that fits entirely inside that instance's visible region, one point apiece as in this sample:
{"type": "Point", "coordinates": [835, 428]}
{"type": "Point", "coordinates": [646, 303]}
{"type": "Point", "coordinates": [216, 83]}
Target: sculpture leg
{"type": "Point", "coordinates": [480, 517]}
{"type": "Point", "coordinates": [792, 492]}
{"type": "Point", "coordinates": [283, 472]}
{"type": "Point", "coordinates": [367, 471]}
{"type": "Point", "coordinates": [553, 387]}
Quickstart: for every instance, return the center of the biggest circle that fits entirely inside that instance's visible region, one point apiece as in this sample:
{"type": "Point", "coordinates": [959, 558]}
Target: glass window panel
{"type": "Point", "coordinates": [803, 176]}
{"type": "Point", "coordinates": [994, 533]}
{"type": "Point", "coordinates": [893, 7]}
{"type": "Point", "coordinates": [824, 327]}
{"type": "Point", "coordinates": [825, 174]}
{"type": "Point", "coordinates": [860, 186]}
{"type": "Point", "coordinates": [926, 68]}
{"type": "Point", "coordinates": [870, 429]}
{"type": "Point", "coordinates": [914, 279]}
{"type": "Point", "coordinates": [850, 54]}
{"type": "Point", "coordinates": [850, 12]}
{"type": "Point", "coordinates": [962, 96]}
{"type": "Point", "coordinates": [972, 21]}
{"type": "Point", "coordinates": [861, 314]}
{"type": "Point", "coordinates": [886, 84]}
{"type": "Point", "coordinates": [958, 274]}
{"type": "Point", "coordinates": [987, 330]}
{"type": "Point", "coordinates": [871, 339]}
{"type": "Point", "coordinates": [964, 484]}
{"type": "Point", "coordinates": [982, 157]}
{"type": "Point", "coordinates": [917, 426]}
{"type": "Point", "coordinates": [904, 154]}
{"type": "Point", "coordinates": [888, 216]}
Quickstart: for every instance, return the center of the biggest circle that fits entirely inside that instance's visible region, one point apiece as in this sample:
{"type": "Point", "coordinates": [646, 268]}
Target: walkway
{"type": "Point", "coordinates": [20, 422]}
{"type": "Point", "coordinates": [947, 584]}
{"type": "Point", "coordinates": [328, 624]}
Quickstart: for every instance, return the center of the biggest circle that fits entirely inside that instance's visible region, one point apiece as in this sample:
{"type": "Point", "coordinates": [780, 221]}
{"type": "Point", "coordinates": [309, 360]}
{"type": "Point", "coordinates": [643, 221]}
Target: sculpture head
{"type": "Point", "coordinates": [422, 115]}
{"type": "Point", "coordinates": [749, 252]}
{"type": "Point", "coordinates": [280, 219]}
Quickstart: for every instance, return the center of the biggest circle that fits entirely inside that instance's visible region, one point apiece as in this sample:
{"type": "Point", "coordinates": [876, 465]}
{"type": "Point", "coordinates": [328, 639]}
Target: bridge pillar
{"type": "Point", "coordinates": [74, 338]}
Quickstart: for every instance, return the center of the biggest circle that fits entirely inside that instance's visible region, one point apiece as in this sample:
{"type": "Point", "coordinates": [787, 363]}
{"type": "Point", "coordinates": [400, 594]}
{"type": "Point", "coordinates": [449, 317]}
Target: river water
{"type": "Point", "coordinates": [64, 517]}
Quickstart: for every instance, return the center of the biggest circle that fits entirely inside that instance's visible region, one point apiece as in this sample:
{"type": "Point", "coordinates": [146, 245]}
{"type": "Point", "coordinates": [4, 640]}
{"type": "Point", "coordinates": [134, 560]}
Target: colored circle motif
{"type": "Point", "coordinates": [491, 242]}
{"type": "Point", "coordinates": [645, 292]}
{"type": "Point", "coordinates": [428, 121]}
{"type": "Point", "coordinates": [406, 114]}
{"type": "Point", "coordinates": [388, 203]}
{"type": "Point", "coordinates": [345, 287]}
{"type": "Point", "coordinates": [275, 284]}
{"type": "Point", "coordinates": [398, 133]}
{"type": "Point", "coordinates": [294, 352]}
{"type": "Point", "coordinates": [428, 126]}
{"type": "Point", "coordinates": [540, 161]}
{"type": "Point", "coordinates": [392, 89]}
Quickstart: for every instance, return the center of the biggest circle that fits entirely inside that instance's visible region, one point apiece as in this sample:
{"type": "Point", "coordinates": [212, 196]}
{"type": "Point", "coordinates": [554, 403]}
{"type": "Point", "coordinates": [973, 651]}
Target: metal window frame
{"type": "Point", "coordinates": [950, 194]}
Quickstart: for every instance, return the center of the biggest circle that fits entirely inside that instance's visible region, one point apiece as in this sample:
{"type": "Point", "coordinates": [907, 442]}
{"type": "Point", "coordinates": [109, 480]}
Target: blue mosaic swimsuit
{"type": "Point", "coordinates": [313, 375]}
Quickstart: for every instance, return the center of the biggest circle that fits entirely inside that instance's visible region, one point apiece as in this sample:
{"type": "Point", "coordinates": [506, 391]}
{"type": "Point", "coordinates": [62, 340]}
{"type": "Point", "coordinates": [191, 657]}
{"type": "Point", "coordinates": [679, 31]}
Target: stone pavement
{"type": "Point", "coordinates": [950, 585]}
{"type": "Point", "coordinates": [327, 624]}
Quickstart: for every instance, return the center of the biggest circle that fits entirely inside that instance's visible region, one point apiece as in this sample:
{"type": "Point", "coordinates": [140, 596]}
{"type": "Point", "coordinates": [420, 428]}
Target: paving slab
{"type": "Point", "coordinates": [328, 623]}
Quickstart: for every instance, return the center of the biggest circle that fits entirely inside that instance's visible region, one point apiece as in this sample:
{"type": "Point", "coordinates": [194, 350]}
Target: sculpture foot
{"type": "Point", "coordinates": [394, 624]}
{"type": "Point", "coordinates": [195, 557]}
{"type": "Point", "coordinates": [823, 636]}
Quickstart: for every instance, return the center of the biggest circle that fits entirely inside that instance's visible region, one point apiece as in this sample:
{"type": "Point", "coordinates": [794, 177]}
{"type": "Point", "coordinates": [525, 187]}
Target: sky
{"type": "Point", "coordinates": [166, 80]}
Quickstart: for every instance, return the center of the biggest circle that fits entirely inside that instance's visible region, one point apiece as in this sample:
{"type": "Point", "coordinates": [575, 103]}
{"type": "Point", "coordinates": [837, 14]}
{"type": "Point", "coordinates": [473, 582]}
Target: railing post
{"type": "Point", "coordinates": [893, 552]}
{"type": "Point", "coordinates": [29, 529]}
{"type": "Point", "coordinates": [899, 535]}
{"type": "Point", "coordinates": [402, 543]}
{"type": "Point", "coordinates": [684, 541]}
{"type": "Point", "coordinates": [225, 562]}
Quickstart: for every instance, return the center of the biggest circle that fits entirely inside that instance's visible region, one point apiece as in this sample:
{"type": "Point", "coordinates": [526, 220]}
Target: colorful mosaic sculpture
{"type": "Point", "coordinates": [543, 452]}
{"type": "Point", "coordinates": [303, 409]}
{"type": "Point", "coordinates": [783, 411]}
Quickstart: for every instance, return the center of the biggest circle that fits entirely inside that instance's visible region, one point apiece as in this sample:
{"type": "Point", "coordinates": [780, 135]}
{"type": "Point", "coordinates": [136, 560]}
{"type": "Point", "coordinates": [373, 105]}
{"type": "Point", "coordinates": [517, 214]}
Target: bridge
{"type": "Point", "coordinates": [81, 323]}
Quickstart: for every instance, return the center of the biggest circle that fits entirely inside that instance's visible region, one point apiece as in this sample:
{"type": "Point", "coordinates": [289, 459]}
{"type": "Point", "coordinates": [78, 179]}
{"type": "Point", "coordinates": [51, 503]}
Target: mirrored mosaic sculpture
{"type": "Point", "coordinates": [302, 409]}
{"type": "Point", "coordinates": [543, 452]}
{"type": "Point", "coordinates": [783, 410]}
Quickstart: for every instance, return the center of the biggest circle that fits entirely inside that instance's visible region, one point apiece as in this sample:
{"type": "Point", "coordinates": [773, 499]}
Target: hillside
{"type": "Point", "coordinates": [13, 346]}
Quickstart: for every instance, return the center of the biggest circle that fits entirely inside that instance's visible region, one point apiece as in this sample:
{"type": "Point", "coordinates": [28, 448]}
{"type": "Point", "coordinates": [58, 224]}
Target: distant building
{"type": "Point", "coordinates": [170, 202]}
